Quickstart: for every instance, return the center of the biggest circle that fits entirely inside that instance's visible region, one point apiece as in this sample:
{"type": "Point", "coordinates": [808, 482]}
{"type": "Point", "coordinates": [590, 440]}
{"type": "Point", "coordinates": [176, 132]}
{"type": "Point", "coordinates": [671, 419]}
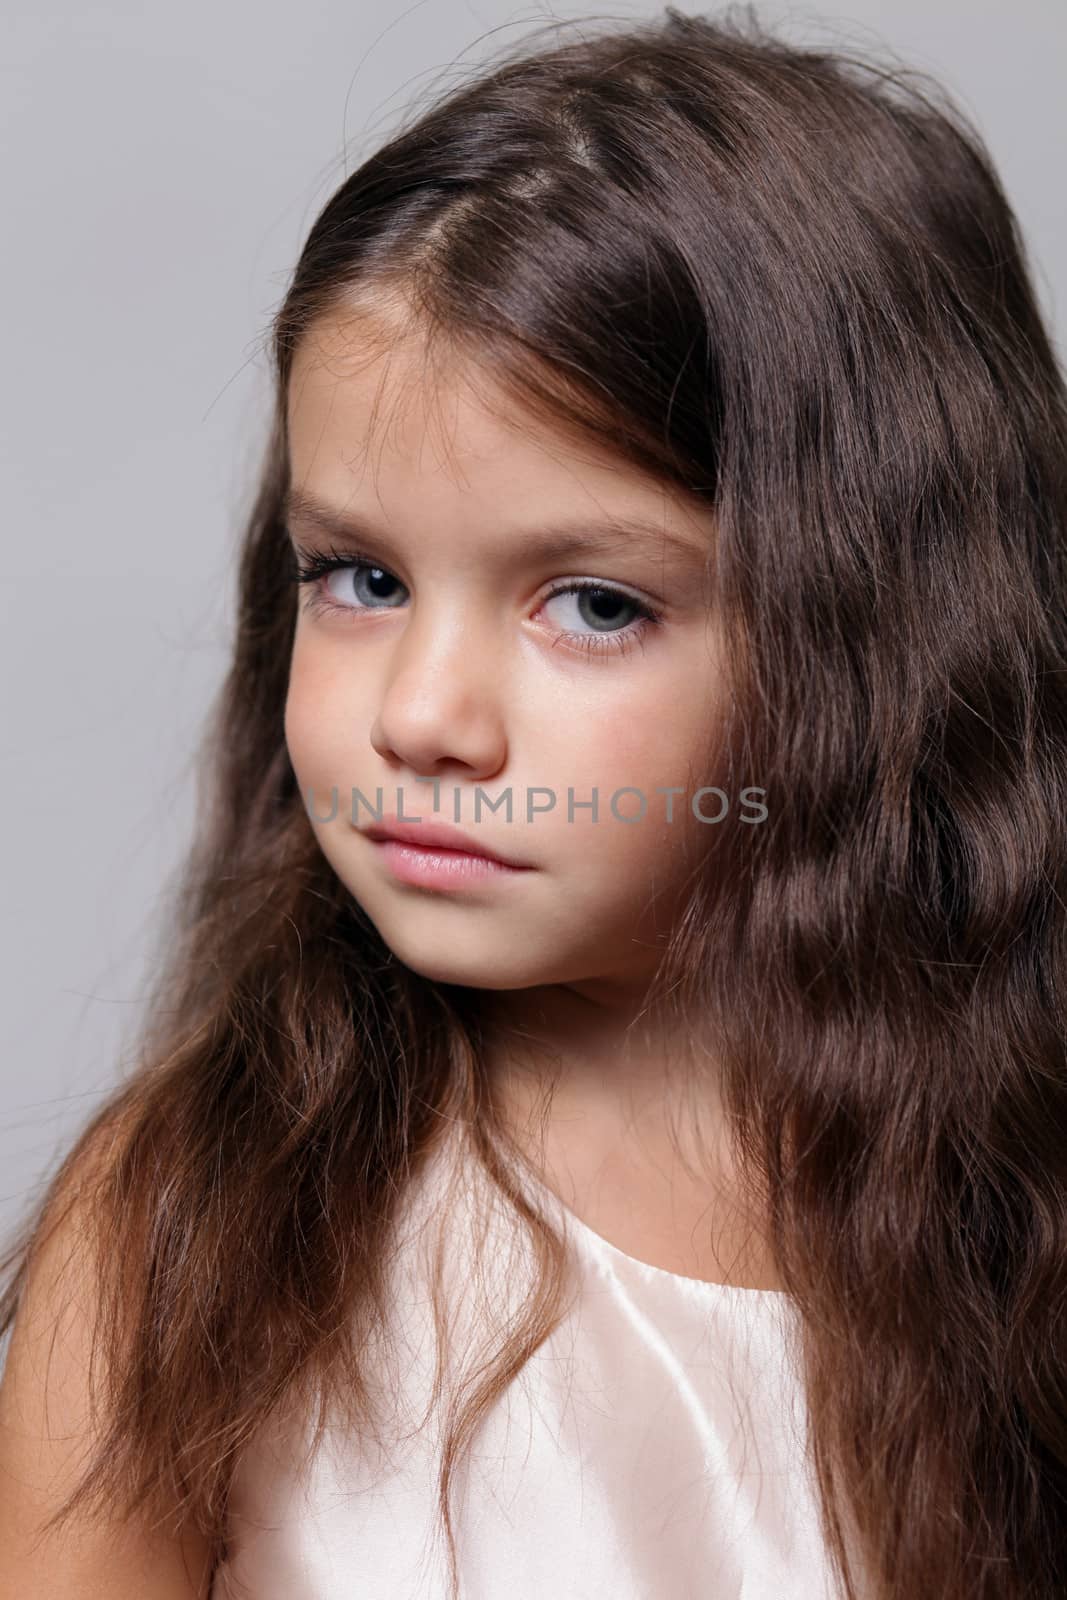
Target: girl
{"type": "Point", "coordinates": [650, 1179]}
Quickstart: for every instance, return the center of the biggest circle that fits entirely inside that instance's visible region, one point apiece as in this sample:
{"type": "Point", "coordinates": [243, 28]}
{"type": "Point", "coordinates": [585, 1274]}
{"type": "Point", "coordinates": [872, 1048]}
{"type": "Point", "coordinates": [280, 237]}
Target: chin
{"type": "Point", "coordinates": [448, 962]}
{"type": "Point", "coordinates": [469, 974]}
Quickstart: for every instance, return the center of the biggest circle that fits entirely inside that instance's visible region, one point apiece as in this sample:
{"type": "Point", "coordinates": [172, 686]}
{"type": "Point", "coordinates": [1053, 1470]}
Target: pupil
{"type": "Point", "coordinates": [373, 577]}
{"type": "Point", "coordinates": [605, 600]}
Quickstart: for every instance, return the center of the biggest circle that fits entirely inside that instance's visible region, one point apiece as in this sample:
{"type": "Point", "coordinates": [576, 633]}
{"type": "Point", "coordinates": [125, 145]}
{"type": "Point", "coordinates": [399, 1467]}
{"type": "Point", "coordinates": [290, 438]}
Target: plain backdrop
{"type": "Point", "coordinates": [161, 167]}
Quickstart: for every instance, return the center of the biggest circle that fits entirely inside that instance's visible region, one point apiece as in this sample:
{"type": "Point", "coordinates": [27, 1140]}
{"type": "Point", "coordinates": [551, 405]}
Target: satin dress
{"type": "Point", "coordinates": [651, 1449]}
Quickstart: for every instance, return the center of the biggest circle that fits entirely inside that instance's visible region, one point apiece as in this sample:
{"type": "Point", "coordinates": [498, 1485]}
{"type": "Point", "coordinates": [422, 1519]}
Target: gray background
{"type": "Point", "coordinates": [161, 167]}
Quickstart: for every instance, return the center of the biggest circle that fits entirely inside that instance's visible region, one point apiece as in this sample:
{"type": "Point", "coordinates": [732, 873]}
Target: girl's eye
{"type": "Point", "coordinates": [617, 619]}
{"type": "Point", "coordinates": [371, 587]}
{"type": "Point", "coordinates": [356, 583]}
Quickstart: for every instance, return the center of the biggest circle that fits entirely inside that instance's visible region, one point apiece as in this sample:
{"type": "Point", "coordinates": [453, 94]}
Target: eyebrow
{"type": "Point", "coordinates": [577, 536]}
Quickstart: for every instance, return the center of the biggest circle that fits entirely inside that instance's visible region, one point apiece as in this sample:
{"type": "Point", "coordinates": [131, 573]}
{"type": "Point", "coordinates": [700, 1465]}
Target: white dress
{"type": "Point", "coordinates": [651, 1449]}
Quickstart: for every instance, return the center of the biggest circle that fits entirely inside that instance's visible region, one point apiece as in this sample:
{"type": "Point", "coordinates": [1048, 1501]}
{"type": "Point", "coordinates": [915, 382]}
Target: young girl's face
{"type": "Point", "coordinates": [468, 658]}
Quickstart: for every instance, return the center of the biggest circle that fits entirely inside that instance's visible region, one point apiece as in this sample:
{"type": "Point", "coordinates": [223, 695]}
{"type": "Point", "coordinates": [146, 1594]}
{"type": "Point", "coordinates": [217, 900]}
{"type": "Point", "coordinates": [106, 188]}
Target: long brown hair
{"type": "Point", "coordinates": [787, 280]}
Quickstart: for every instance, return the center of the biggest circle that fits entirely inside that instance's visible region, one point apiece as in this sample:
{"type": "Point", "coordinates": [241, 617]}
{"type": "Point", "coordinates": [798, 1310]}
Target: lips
{"type": "Point", "coordinates": [436, 836]}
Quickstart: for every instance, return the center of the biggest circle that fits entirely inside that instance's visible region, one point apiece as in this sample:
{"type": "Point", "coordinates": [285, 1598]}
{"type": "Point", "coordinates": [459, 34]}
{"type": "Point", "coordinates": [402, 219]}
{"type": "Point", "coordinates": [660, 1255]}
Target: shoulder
{"type": "Point", "coordinates": [48, 1421]}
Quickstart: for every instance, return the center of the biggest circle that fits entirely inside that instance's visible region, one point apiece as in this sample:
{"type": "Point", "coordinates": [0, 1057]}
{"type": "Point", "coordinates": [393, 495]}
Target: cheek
{"type": "Point", "coordinates": [317, 718]}
{"type": "Point", "coordinates": [650, 741]}
{"type": "Point", "coordinates": [663, 741]}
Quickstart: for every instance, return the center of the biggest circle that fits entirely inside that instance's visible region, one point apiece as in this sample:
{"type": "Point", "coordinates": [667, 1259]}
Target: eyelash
{"type": "Point", "coordinates": [314, 565]}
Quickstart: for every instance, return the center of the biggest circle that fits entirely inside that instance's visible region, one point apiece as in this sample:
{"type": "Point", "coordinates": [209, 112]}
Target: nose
{"type": "Point", "coordinates": [441, 704]}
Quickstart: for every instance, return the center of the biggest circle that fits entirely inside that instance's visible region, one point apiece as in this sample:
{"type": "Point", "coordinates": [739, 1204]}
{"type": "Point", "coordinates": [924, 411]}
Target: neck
{"type": "Point", "coordinates": [601, 1054]}
{"type": "Point", "coordinates": [619, 1111]}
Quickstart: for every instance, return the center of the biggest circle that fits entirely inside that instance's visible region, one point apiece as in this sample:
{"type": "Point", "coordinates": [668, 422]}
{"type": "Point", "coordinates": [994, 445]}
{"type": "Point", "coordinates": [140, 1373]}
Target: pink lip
{"type": "Point", "coordinates": [436, 839]}
{"type": "Point", "coordinates": [436, 868]}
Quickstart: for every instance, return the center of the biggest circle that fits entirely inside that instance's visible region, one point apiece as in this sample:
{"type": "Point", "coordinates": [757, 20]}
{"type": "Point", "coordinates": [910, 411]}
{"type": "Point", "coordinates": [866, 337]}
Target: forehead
{"type": "Point", "coordinates": [370, 382]}
{"type": "Point", "coordinates": [444, 441]}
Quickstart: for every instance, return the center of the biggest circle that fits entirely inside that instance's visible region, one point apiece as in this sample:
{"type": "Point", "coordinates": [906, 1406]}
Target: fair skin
{"type": "Point", "coordinates": [47, 1432]}
{"type": "Point", "coordinates": [449, 653]}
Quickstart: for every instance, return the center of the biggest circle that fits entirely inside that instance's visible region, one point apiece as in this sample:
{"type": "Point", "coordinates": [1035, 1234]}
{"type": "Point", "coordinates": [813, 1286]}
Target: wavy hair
{"type": "Point", "coordinates": [786, 280]}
